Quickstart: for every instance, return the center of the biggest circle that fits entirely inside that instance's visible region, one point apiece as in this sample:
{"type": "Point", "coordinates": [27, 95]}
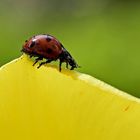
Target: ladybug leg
{"type": "Point", "coordinates": [60, 64]}
{"type": "Point", "coordinates": [37, 59]}
{"type": "Point", "coordinates": [42, 63]}
{"type": "Point", "coordinates": [31, 56]}
{"type": "Point", "coordinates": [71, 68]}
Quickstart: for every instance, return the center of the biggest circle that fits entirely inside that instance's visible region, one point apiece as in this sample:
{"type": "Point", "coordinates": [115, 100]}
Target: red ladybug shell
{"type": "Point", "coordinates": [43, 45]}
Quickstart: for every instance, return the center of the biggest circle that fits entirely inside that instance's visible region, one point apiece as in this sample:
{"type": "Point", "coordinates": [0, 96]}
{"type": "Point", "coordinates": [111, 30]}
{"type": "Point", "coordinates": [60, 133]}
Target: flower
{"type": "Point", "coordinates": [45, 104]}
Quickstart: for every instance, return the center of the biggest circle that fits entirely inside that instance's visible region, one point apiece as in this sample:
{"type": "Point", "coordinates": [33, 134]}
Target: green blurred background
{"type": "Point", "coordinates": [102, 35]}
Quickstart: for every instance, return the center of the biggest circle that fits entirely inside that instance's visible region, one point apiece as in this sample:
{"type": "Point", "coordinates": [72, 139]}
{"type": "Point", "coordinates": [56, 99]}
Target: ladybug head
{"type": "Point", "coordinates": [66, 57]}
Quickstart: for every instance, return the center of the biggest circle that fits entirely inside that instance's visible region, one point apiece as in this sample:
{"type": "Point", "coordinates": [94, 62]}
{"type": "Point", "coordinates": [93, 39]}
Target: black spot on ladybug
{"type": "Point", "coordinates": [48, 39]}
{"type": "Point", "coordinates": [26, 40]}
{"type": "Point", "coordinates": [49, 51]}
{"type": "Point", "coordinates": [32, 44]}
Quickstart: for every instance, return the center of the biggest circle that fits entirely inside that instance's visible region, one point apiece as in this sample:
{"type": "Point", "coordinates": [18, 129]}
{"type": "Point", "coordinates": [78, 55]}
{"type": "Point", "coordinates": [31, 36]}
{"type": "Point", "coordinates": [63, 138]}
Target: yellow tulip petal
{"type": "Point", "coordinates": [45, 104]}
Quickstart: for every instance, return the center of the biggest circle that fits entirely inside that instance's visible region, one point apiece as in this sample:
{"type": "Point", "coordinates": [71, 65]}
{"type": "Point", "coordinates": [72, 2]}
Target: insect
{"type": "Point", "coordinates": [48, 47]}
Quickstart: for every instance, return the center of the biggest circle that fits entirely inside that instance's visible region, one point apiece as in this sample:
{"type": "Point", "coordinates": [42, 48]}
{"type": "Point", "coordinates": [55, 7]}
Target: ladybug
{"type": "Point", "coordinates": [48, 47]}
